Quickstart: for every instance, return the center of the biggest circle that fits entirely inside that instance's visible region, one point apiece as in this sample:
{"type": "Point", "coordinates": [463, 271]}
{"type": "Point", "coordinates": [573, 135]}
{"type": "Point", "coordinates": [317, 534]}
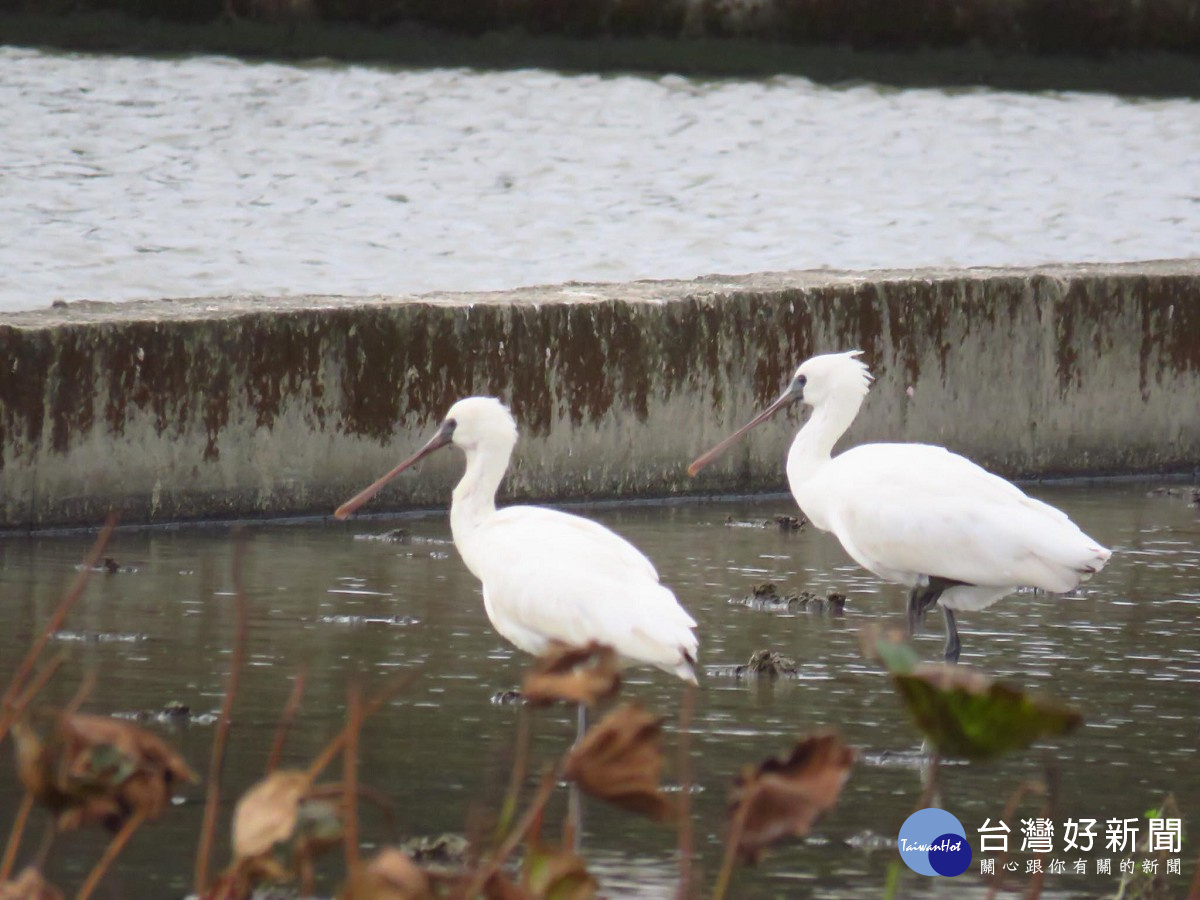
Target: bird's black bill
{"type": "Point", "coordinates": [443, 437]}
{"type": "Point", "coordinates": [784, 399]}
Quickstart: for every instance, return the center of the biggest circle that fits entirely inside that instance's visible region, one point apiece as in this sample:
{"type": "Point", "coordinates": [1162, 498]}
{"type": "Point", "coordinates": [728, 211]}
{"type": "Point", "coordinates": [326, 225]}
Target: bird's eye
{"type": "Point", "coordinates": [801, 380]}
{"type": "Point", "coordinates": [451, 423]}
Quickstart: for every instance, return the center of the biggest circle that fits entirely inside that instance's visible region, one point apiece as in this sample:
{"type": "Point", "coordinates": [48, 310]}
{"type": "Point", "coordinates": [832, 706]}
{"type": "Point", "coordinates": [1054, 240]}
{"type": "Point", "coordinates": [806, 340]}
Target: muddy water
{"type": "Point", "coordinates": [126, 178]}
{"type": "Point", "coordinates": [1126, 650]}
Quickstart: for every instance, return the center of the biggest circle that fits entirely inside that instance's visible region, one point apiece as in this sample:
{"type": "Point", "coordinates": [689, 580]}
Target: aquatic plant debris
{"type": "Point", "coordinates": [782, 798]}
{"type": "Point", "coordinates": [620, 760]}
{"type": "Point", "coordinates": [585, 675]}
{"type": "Point", "coordinates": [768, 664]}
{"type": "Point", "coordinates": [444, 850]}
{"type": "Point", "coordinates": [965, 713]}
{"type": "Point", "coordinates": [769, 597]}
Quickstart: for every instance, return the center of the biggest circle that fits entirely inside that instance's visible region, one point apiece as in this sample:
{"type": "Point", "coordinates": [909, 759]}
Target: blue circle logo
{"type": "Point", "coordinates": [933, 842]}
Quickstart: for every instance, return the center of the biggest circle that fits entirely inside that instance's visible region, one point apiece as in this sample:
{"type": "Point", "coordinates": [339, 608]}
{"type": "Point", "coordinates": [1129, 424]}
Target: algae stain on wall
{"type": "Point", "coordinates": [280, 409]}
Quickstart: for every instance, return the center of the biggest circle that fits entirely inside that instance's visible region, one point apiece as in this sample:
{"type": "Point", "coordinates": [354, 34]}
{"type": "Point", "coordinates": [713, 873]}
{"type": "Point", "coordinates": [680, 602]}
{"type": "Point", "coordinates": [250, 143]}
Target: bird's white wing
{"type": "Point", "coordinates": [904, 510]}
{"type": "Point", "coordinates": [549, 575]}
{"type": "Point", "coordinates": [573, 534]}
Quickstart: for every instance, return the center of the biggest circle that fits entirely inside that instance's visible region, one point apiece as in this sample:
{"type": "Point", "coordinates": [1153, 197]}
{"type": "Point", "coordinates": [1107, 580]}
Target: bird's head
{"type": "Point", "coordinates": [817, 381]}
{"type": "Point", "coordinates": [829, 376]}
{"type": "Point", "coordinates": [475, 421]}
{"type": "Point", "coordinates": [470, 423]}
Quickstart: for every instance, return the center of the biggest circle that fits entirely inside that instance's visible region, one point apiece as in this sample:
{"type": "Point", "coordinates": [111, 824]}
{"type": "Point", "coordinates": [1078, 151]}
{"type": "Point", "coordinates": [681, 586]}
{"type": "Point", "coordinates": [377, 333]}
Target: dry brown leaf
{"type": "Point", "coordinates": [282, 823]}
{"type": "Point", "coordinates": [498, 887]}
{"type": "Point", "coordinates": [783, 797]}
{"type": "Point", "coordinates": [94, 769]}
{"type": "Point", "coordinates": [620, 760]}
{"type": "Point", "coordinates": [573, 674]}
{"type": "Point", "coordinates": [34, 767]}
{"type": "Point", "coordinates": [29, 885]}
{"type": "Point", "coordinates": [558, 873]}
{"type": "Point", "coordinates": [266, 814]}
{"type": "Point", "coordinates": [390, 875]}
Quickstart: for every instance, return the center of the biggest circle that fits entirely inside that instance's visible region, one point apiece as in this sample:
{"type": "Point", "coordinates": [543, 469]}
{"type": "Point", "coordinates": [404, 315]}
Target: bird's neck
{"type": "Point", "coordinates": [813, 447]}
{"type": "Point", "coordinates": [474, 497]}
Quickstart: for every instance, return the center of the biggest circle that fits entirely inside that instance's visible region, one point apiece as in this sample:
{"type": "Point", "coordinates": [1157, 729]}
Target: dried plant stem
{"type": "Point", "coordinates": [369, 709]}
{"type": "Point", "coordinates": [1025, 787]}
{"type": "Point", "coordinates": [308, 878]}
{"type": "Point", "coordinates": [532, 816]}
{"type": "Point", "coordinates": [14, 837]}
{"type": "Point", "coordinates": [49, 833]}
{"type": "Point", "coordinates": [1037, 879]}
{"type": "Point", "coordinates": [81, 694]}
{"type": "Point", "coordinates": [929, 792]}
{"type": "Point", "coordinates": [10, 715]}
{"type": "Point", "coordinates": [350, 779]}
{"type": "Point", "coordinates": [520, 766]}
{"type": "Point", "coordinates": [56, 620]}
{"type": "Point", "coordinates": [115, 846]}
{"type": "Point", "coordinates": [687, 709]}
{"type": "Point", "coordinates": [212, 800]}
{"type": "Point", "coordinates": [286, 720]}
{"type": "Point", "coordinates": [731, 844]}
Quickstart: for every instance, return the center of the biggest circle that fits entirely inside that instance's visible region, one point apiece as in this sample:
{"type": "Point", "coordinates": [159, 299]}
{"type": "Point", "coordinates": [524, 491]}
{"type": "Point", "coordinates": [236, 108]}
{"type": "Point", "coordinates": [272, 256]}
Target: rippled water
{"type": "Point", "coordinates": [1126, 650]}
{"type": "Point", "coordinates": [123, 178]}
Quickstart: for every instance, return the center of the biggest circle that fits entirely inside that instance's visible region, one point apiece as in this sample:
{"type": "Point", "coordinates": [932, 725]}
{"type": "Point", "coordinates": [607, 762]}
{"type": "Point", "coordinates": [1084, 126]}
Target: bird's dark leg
{"type": "Point", "coordinates": [920, 599]}
{"type": "Point", "coordinates": [953, 646]}
{"type": "Point", "coordinates": [924, 596]}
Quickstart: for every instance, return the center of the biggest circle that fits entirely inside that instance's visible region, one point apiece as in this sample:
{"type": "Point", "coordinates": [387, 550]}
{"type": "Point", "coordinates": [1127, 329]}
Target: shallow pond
{"type": "Point", "coordinates": [1125, 649]}
{"type": "Point", "coordinates": [129, 177]}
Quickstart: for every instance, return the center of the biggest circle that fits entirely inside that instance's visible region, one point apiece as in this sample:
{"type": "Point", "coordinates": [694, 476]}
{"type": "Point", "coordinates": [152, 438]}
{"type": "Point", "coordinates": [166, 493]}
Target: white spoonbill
{"type": "Point", "coordinates": [548, 575]}
{"type": "Point", "coordinates": [919, 515]}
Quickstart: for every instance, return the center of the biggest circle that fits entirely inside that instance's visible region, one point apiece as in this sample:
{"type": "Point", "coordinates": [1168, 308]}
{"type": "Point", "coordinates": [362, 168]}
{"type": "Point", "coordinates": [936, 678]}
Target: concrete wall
{"type": "Point", "coordinates": [260, 406]}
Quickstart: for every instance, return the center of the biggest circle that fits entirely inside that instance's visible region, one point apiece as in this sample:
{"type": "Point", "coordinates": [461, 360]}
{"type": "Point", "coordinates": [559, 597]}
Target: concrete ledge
{"type": "Point", "coordinates": [249, 406]}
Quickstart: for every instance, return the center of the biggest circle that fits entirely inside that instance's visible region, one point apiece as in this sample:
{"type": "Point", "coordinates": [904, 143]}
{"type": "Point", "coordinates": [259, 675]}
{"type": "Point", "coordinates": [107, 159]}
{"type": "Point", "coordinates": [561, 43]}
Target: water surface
{"type": "Point", "coordinates": [126, 178]}
{"type": "Point", "coordinates": [1125, 649]}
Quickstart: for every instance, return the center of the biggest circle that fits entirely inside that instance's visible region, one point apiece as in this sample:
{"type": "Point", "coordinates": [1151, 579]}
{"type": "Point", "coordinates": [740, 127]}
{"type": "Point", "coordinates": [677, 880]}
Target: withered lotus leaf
{"type": "Point", "coordinates": [557, 874]}
{"type": "Point", "coordinates": [389, 875]}
{"type": "Point", "coordinates": [29, 885]}
{"type": "Point", "coordinates": [94, 769]}
{"type": "Point", "coordinates": [963, 712]}
{"type": "Point", "coordinates": [620, 760]}
{"type": "Point", "coordinates": [266, 814]}
{"type": "Point", "coordinates": [573, 674]}
{"type": "Point", "coordinates": [782, 798]}
{"type": "Point", "coordinates": [279, 822]}
{"type": "Point", "coordinates": [968, 715]}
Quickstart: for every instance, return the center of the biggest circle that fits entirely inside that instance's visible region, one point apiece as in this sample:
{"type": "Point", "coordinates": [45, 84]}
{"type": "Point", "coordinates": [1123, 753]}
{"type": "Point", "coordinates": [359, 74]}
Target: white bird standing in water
{"type": "Point", "coordinates": [547, 575]}
{"type": "Point", "coordinates": [919, 515]}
